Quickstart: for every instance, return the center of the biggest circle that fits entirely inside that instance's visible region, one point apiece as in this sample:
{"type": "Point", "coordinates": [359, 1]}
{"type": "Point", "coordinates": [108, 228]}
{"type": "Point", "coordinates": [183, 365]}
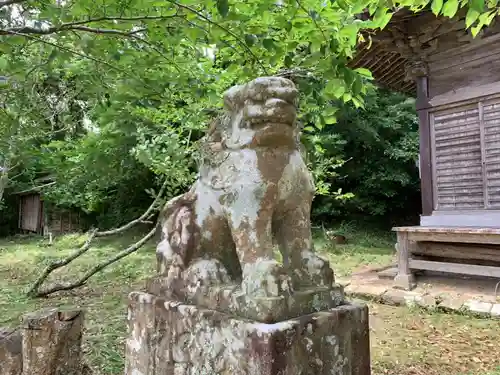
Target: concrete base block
{"type": "Point", "coordinates": [405, 282]}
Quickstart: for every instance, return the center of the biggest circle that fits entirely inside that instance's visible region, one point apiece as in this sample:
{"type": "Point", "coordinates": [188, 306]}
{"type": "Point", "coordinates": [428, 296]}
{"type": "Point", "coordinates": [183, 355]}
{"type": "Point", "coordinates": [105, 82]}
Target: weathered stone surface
{"type": "Point", "coordinates": [478, 307]}
{"type": "Point", "coordinates": [11, 358]}
{"type": "Point", "coordinates": [405, 282]}
{"type": "Point", "coordinates": [253, 190]}
{"type": "Point", "coordinates": [451, 303]}
{"type": "Point", "coordinates": [170, 338]}
{"type": "Point", "coordinates": [400, 297]}
{"type": "Point", "coordinates": [366, 291]}
{"type": "Point", "coordinates": [51, 342]}
{"type": "Point", "coordinates": [388, 273]}
{"type": "Point", "coordinates": [495, 310]}
{"type": "Point", "coordinates": [231, 299]}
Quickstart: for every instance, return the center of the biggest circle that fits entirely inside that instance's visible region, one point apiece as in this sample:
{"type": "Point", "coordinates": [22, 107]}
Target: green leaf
{"type": "Point", "coordinates": [358, 103]}
{"type": "Point", "coordinates": [350, 32]}
{"type": "Point", "coordinates": [309, 129]}
{"type": "Point", "coordinates": [472, 16]}
{"type": "Point", "coordinates": [450, 8]}
{"type": "Point", "coordinates": [268, 44]}
{"type": "Point", "coordinates": [335, 88]}
{"type": "Point", "coordinates": [330, 111]}
{"type": "Point", "coordinates": [357, 85]}
{"type": "Point", "coordinates": [486, 18]}
{"type": "Point", "coordinates": [342, 4]}
{"type": "Point", "coordinates": [385, 20]}
{"type": "Point", "coordinates": [436, 6]}
{"type": "Point", "coordinates": [3, 62]}
{"type": "Point", "coordinates": [364, 72]}
{"type": "Point", "coordinates": [346, 97]}
{"type": "Point", "coordinates": [329, 120]}
{"type": "Point", "coordinates": [477, 5]}
{"type": "Point", "coordinates": [250, 39]}
{"type": "Point", "coordinates": [315, 46]}
{"type": "Point", "coordinates": [349, 76]}
{"type": "Point", "coordinates": [223, 7]}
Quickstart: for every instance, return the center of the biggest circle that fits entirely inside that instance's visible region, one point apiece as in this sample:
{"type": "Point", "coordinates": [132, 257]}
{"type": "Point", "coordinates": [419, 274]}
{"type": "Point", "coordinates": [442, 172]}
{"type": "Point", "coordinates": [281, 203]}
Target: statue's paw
{"type": "Point", "coordinates": [265, 278]}
{"type": "Point", "coordinates": [204, 273]}
{"type": "Point", "coordinates": [166, 258]}
{"type": "Point", "coordinates": [314, 271]}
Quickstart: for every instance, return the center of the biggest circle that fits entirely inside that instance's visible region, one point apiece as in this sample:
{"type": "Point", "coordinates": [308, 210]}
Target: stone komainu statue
{"type": "Point", "coordinates": [253, 190]}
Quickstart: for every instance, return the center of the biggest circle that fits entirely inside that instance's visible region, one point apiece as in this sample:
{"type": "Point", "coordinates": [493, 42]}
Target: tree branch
{"type": "Point", "coordinates": [111, 66]}
{"type": "Point", "coordinates": [98, 267]}
{"type": "Point", "coordinates": [79, 26]}
{"type": "Point", "coordinates": [94, 233]}
{"type": "Point", "coordinates": [33, 292]}
{"type": "Point", "coordinates": [226, 30]}
{"type": "Point", "coordinates": [313, 19]}
{"type": "Point", "coordinates": [119, 18]}
{"type": "Point", "coordinates": [10, 2]}
{"type": "Point", "coordinates": [141, 218]}
{"type": "Point", "coordinates": [53, 30]}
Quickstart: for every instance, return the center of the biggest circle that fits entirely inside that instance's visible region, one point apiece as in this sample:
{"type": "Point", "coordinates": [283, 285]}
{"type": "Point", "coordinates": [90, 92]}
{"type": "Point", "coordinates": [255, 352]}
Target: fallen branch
{"type": "Point", "coordinates": [33, 292]}
{"type": "Point", "coordinates": [95, 233]}
{"type": "Point", "coordinates": [97, 268]}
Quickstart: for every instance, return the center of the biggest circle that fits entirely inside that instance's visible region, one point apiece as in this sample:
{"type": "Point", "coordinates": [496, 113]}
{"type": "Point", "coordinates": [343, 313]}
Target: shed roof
{"type": "Point", "coordinates": [408, 36]}
{"type": "Point", "coordinates": [40, 183]}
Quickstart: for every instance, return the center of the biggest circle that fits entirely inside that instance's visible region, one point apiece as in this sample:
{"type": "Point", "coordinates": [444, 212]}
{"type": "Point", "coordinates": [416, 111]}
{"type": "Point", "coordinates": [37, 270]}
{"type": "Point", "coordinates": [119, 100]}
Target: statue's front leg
{"type": "Point", "coordinates": [250, 222]}
{"type": "Point", "coordinates": [293, 234]}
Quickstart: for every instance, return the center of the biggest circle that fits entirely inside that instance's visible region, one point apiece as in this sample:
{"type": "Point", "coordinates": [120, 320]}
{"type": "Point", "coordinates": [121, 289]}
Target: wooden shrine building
{"type": "Point", "coordinates": [35, 216]}
{"type": "Point", "coordinates": [456, 81]}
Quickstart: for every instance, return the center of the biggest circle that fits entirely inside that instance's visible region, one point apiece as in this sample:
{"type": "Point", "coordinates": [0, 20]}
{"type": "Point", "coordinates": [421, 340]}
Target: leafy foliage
{"type": "Point", "coordinates": [109, 95]}
{"type": "Point", "coordinates": [380, 146]}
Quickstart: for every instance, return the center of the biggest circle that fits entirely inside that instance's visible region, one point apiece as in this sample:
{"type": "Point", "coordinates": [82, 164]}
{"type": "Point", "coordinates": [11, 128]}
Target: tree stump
{"type": "Point", "coordinates": [11, 359]}
{"type": "Point", "coordinates": [51, 342]}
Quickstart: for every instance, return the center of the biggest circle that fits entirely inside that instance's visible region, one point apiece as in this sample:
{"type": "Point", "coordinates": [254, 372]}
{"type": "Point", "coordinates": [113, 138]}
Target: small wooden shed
{"type": "Point", "coordinates": [35, 216]}
{"type": "Point", "coordinates": [456, 81]}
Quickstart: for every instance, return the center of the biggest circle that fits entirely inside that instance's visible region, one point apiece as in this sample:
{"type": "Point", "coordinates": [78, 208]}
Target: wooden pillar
{"type": "Point", "coordinates": [404, 279]}
{"type": "Point", "coordinates": [419, 72]}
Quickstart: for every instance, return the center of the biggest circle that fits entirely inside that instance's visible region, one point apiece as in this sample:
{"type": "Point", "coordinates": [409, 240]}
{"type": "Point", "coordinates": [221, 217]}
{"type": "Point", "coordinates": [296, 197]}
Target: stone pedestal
{"type": "Point", "coordinates": [172, 338]}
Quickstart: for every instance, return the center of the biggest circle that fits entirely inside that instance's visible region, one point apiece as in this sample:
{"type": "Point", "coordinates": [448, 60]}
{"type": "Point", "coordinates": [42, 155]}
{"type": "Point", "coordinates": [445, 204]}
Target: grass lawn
{"type": "Point", "coordinates": [403, 341]}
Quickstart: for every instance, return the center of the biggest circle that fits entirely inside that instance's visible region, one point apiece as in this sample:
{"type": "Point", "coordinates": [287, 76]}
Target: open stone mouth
{"type": "Point", "coordinates": [263, 124]}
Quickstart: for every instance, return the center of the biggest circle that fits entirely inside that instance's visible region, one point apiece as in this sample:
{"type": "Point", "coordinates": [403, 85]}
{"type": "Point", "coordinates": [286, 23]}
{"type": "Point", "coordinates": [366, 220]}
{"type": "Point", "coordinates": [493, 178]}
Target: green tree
{"type": "Point", "coordinates": [380, 145]}
{"type": "Point", "coordinates": [143, 73]}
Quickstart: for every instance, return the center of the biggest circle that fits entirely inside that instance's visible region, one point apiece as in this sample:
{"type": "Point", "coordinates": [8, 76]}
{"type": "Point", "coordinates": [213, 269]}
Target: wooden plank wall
{"type": "Point", "coordinates": [457, 168]}
{"type": "Point", "coordinates": [30, 208]}
{"type": "Point", "coordinates": [466, 155]}
{"type": "Point", "coordinates": [465, 68]}
{"type": "Point", "coordinates": [464, 117]}
{"type": "Point", "coordinates": [491, 124]}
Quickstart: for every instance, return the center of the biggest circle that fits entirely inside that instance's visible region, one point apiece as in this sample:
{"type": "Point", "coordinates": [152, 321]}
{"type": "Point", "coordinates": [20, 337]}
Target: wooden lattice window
{"type": "Point", "coordinates": [466, 156]}
{"type": "Point", "coordinates": [491, 125]}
